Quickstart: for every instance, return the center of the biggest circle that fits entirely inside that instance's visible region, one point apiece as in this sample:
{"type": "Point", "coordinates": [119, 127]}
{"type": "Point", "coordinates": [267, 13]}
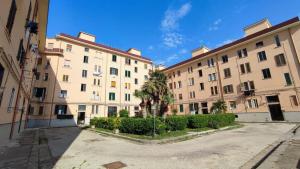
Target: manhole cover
{"type": "Point", "coordinates": [114, 165]}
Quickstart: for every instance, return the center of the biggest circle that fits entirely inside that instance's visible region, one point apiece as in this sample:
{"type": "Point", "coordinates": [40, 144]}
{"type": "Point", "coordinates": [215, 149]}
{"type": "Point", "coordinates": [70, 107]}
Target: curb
{"type": "Point", "coordinates": [259, 158]}
{"type": "Point", "coordinates": [190, 135]}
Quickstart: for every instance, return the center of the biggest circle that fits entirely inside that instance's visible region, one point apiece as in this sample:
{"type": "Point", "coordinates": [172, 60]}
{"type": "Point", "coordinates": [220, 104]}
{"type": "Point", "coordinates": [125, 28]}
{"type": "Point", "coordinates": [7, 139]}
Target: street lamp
{"type": "Point", "coordinates": [154, 109]}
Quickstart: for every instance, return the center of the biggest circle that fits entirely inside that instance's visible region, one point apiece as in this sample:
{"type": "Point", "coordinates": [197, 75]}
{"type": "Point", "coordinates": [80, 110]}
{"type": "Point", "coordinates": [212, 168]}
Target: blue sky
{"type": "Point", "coordinates": [165, 30]}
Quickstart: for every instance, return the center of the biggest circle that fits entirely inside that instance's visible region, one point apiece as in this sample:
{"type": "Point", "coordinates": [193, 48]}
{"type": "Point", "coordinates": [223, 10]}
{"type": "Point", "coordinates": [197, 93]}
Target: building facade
{"type": "Point", "coordinates": [23, 26]}
{"type": "Point", "coordinates": [81, 79]}
{"type": "Point", "coordinates": [258, 76]}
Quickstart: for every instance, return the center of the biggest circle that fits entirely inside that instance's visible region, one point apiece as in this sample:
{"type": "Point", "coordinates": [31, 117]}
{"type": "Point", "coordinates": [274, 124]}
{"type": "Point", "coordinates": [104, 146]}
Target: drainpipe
{"type": "Point", "coordinates": [219, 79]}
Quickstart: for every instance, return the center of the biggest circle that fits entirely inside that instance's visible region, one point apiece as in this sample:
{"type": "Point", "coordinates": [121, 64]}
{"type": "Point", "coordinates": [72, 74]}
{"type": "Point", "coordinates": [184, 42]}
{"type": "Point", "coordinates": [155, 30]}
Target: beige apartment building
{"type": "Point", "coordinates": [258, 76]}
{"type": "Point", "coordinates": [23, 26]}
{"type": "Point", "coordinates": [80, 79]}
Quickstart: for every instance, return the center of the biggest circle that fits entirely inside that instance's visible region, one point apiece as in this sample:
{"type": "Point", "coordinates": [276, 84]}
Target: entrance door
{"type": "Point", "coordinates": [81, 118]}
{"type": "Point", "coordinates": [275, 108]}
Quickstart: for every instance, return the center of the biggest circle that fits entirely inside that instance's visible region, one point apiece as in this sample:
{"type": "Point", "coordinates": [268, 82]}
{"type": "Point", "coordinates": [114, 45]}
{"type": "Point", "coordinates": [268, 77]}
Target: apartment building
{"type": "Point", "coordinates": [23, 26]}
{"type": "Point", "coordinates": [258, 76]}
{"type": "Point", "coordinates": [80, 79]}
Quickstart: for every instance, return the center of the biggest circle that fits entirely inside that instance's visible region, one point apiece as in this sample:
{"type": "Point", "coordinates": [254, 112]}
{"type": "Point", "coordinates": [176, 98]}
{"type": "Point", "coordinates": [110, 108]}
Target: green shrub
{"type": "Point", "coordinates": [141, 126]}
{"type": "Point", "coordinates": [174, 123]}
{"type": "Point", "coordinates": [123, 113]}
{"type": "Point", "coordinates": [198, 121]}
{"type": "Point", "coordinates": [106, 123]}
{"type": "Point", "coordinates": [93, 121]}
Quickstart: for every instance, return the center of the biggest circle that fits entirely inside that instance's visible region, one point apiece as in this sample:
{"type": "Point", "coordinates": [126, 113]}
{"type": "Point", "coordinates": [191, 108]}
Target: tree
{"type": "Point", "coordinates": [218, 107]}
{"type": "Point", "coordinates": [155, 91]}
{"type": "Point", "coordinates": [123, 113]}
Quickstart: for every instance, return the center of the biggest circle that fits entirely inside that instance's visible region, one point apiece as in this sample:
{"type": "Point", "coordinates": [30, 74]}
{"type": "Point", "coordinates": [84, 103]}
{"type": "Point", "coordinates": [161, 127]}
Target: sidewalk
{"type": "Point", "coordinates": [29, 151]}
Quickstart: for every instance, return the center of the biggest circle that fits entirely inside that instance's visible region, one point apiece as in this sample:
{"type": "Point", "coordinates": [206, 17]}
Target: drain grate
{"type": "Point", "coordinates": [114, 165]}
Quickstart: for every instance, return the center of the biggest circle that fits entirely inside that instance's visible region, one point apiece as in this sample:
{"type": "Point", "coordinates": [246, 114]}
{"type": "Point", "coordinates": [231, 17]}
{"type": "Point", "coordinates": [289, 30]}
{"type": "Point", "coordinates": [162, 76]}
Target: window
{"type": "Point", "coordinates": [41, 110]}
{"type": "Point", "coordinates": [97, 70]}
{"type": "Point", "coordinates": [69, 48]}
{"type": "Point", "coordinates": [280, 60]}
{"type": "Point", "coordinates": [127, 97]}
{"type": "Point", "coordinates": [259, 44]}
{"type": "Point", "coordinates": [212, 77]}
{"type": "Point", "coordinates": [85, 59]}
{"type": "Point", "coordinates": [179, 84]}
{"type": "Point", "coordinates": [113, 84]}
{"type": "Point", "coordinates": [192, 95]}
{"type": "Point", "coordinates": [21, 53]}
{"type": "Point", "coordinates": [252, 103]}
{"type": "Point", "coordinates": [277, 40]}
{"type": "Point", "coordinates": [127, 61]}
{"type": "Point", "coordinates": [127, 73]}
{"type": "Point", "coordinates": [180, 108]}
{"type": "Point", "coordinates": [228, 89]}
{"type": "Point", "coordinates": [242, 53]}
{"type": "Point", "coordinates": [11, 16]}
{"type": "Point", "coordinates": [227, 73]}
{"type": "Point", "coordinates": [191, 81]}
{"type": "Point", "coordinates": [190, 69]}
{"type": "Point", "coordinates": [67, 63]}
{"type": "Point", "coordinates": [39, 92]}
{"type": "Point", "coordinates": [200, 73]}
{"type": "Point", "coordinates": [201, 86]}
{"type": "Point", "coordinates": [127, 85]}
{"type": "Point", "coordinates": [135, 69]}
{"type": "Point", "coordinates": [266, 73]}
{"type": "Point", "coordinates": [210, 62]}
{"type": "Point", "coordinates": [225, 59]}
{"type": "Point", "coordinates": [83, 87]}
{"type": "Point", "coordinates": [294, 101]}
{"type": "Point", "coordinates": [11, 99]}
{"type": "Point", "coordinates": [174, 85]}
{"type": "Point", "coordinates": [63, 93]}
{"type": "Point", "coordinates": [98, 82]}
{"type": "Point", "coordinates": [174, 74]}
{"type": "Point", "coordinates": [112, 111]}
{"type": "Point", "coordinates": [170, 85]}
{"type": "Point", "coordinates": [60, 109]}
{"type": "Point", "coordinates": [136, 62]}
{"type": "Point", "coordinates": [245, 68]}
{"type": "Point", "coordinates": [288, 79]}
{"type": "Point", "coordinates": [65, 78]}
{"type": "Point", "coordinates": [86, 49]}
{"type": "Point", "coordinates": [84, 73]}
{"type": "Point", "coordinates": [199, 64]}
{"type": "Point", "coordinates": [214, 90]}
{"type": "Point", "coordinates": [232, 105]}
{"type": "Point", "coordinates": [246, 86]}
{"type": "Point", "coordinates": [95, 96]}
{"type": "Point", "coordinates": [50, 45]}
{"type": "Point", "coordinates": [178, 73]}
{"type": "Point", "coordinates": [114, 58]}
{"type": "Point", "coordinates": [39, 61]}
{"type": "Point", "coordinates": [112, 96]}
{"type": "Point", "coordinates": [136, 81]}
{"type": "Point", "coordinates": [46, 76]}
{"type": "Point", "coordinates": [180, 96]}
{"type": "Point", "coordinates": [146, 77]}
{"type": "Point", "coordinates": [1, 74]}
{"type": "Point", "coordinates": [145, 66]}
{"type": "Point", "coordinates": [37, 75]}
{"type": "Point", "coordinates": [113, 71]}
{"type": "Point", "coordinates": [262, 56]}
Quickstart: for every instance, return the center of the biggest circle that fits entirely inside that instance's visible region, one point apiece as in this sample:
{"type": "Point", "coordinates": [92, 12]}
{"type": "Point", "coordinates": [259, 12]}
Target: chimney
{"type": "Point", "coordinates": [256, 27]}
{"type": "Point", "coordinates": [86, 36]}
{"type": "Point", "coordinates": [199, 51]}
{"type": "Point", "coordinates": [134, 51]}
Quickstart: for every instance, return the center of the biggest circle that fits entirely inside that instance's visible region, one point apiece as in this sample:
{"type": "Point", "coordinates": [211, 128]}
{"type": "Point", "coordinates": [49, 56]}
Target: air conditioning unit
{"type": "Point", "coordinates": [243, 89]}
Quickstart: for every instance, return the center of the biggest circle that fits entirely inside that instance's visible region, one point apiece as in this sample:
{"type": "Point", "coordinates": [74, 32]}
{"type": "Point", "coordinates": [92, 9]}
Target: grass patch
{"type": "Point", "coordinates": [199, 129]}
{"type": "Point", "coordinates": [105, 130]}
{"type": "Point", "coordinates": [170, 134]}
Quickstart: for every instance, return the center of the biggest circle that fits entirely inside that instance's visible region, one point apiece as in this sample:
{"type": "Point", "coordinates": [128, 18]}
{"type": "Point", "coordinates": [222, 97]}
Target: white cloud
{"type": "Point", "coordinates": [172, 39]}
{"type": "Point", "coordinates": [170, 23]}
{"type": "Point", "coordinates": [225, 42]}
{"type": "Point", "coordinates": [171, 18]}
{"type": "Point", "coordinates": [183, 51]}
{"type": "Point", "coordinates": [215, 25]}
{"type": "Point", "coordinates": [167, 60]}
{"type": "Point", "coordinates": [150, 47]}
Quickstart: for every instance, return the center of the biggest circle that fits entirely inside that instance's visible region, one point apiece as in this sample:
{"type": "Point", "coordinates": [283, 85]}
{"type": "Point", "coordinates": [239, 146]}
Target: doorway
{"type": "Point", "coordinates": [81, 118]}
{"type": "Point", "coordinates": [275, 108]}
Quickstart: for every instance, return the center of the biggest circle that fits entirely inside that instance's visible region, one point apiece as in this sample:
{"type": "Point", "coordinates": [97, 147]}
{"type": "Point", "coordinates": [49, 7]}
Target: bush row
{"type": "Point", "coordinates": [144, 126]}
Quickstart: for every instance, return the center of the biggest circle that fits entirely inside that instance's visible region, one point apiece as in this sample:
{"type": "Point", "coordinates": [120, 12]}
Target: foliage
{"type": "Point", "coordinates": [174, 112]}
{"type": "Point", "coordinates": [174, 123]}
{"type": "Point", "coordinates": [141, 126]}
{"type": "Point", "coordinates": [198, 121]}
{"type": "Point", "coordinates": [106, 123]}
{"type": "Point", "coordinates": [219, 107]}
{"type": "Point", "coordinates": [213, 121]}
{"type": "Point", "coordinates": [123, 113]}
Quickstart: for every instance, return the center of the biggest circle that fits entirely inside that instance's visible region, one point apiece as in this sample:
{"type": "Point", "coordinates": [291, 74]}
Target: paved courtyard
{"type": "Point", "coordinates": [65, 148]}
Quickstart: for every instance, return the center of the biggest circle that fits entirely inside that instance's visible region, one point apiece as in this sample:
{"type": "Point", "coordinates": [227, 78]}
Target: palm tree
{"type": "Point", "coordinates": [218, 107]}
{"type": "Point", "coordinates": [157, 92]}
{"type": "Point", "coordinates": [144, 97]}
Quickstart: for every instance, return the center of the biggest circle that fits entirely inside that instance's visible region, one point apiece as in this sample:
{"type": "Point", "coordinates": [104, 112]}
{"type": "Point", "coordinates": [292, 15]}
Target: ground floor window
{"type": "Point", "coordinates": [232, 105]}
{"type": "Point", "coordinates": [294, 101]}
{"type": "Point", "coordinates": [204, 108]}
{"type": "Point", "coordinates": [181, 108]}
{"type": "Point", "coordinates": [81, 107]}
{"type": "Point", "coordinates": [112, 111]}
{"type": "Point", "coordinates": [252, 103]}
{"type": "Point", "coordinates": [60, 109]}
{"type": "Point", "coordinates": [41, 110]}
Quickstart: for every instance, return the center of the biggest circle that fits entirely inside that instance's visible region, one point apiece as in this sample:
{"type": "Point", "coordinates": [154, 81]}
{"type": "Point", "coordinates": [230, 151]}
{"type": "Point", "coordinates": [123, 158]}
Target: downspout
{"type": "Point", "coordinates": [219, 79]}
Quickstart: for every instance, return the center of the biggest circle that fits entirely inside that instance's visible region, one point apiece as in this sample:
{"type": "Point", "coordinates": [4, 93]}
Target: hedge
{"type": "Point", "coordinates": [198, 121]}
{"type": "Point", "coordinates": [174, 123]}
{"type": "Point", "coordinates": [106, 123]}
{"type": "Point", "coordinates": [141, 126]}
{"type": "Point", "coordinates": [212, 121]}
